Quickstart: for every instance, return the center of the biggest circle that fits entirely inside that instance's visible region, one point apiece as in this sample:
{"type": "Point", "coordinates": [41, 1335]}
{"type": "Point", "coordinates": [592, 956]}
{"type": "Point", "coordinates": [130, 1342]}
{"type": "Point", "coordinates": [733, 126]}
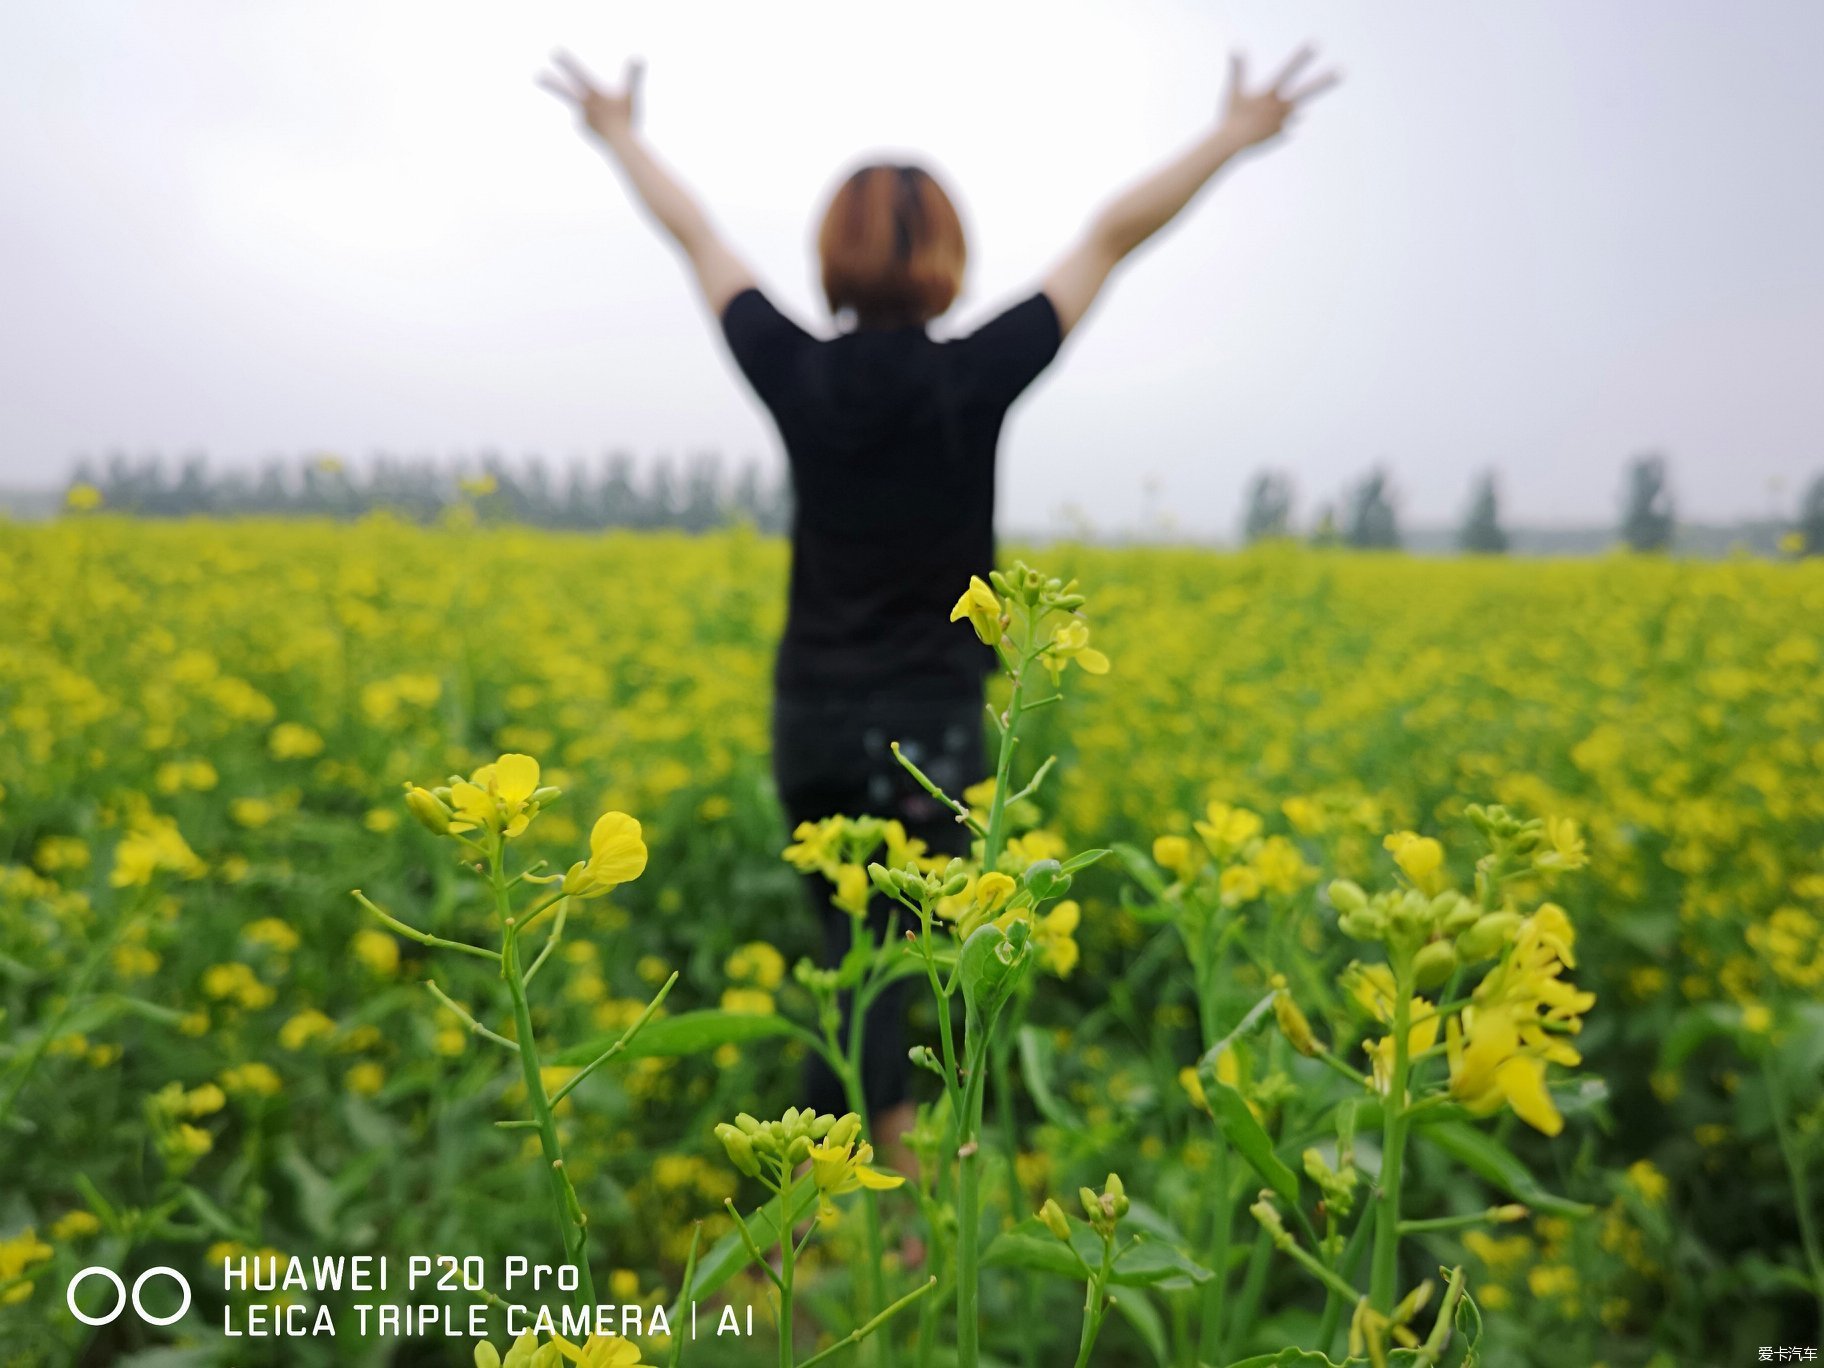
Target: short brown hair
{"type": "Point", "coordinates": [892, 247]}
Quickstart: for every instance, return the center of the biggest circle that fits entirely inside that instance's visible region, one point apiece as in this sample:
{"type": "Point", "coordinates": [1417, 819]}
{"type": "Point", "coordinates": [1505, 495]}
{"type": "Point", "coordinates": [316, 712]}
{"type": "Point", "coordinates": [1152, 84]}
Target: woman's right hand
{"type": "Point", "coordinates": [609, 114]}
{"type": "Point", "coordinates": [1250, 118]}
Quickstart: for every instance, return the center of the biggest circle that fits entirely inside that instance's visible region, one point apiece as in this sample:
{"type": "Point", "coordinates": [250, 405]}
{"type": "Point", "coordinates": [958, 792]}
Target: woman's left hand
{"type": "Point", "coordinates": [1253, 117]}
{"type": "Point", "coordinates": [609, 114]}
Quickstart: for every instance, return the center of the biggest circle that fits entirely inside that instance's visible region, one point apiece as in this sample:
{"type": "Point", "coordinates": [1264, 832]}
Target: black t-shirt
{"type": "Point", "coordinates": [891, 439]}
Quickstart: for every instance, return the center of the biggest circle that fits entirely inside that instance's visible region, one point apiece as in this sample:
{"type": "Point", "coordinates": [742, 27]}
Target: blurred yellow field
{"type": "Point", "coordinates": [210, 1048]}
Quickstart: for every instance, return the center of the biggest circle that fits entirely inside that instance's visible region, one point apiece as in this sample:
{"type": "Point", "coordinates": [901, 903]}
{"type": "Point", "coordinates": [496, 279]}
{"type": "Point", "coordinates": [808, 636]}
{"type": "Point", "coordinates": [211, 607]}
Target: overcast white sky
{"type": "Point", "coordinates": [1541, 236]}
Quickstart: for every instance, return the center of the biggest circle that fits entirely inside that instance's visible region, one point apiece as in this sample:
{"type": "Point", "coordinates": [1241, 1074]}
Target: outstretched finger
{"type": "Point", "coordinates": [1311, 89]}
{"type": "Point", "coordinates": [633, 76]}
{"type": "Point", "coordinates": [1294, 64]}
{"type": "Point", "coordinates": [576, 71]}
{"type": "Point", "coordinates": [558, 87]}
{"type": "Point", "coordinates": [1238, 71]}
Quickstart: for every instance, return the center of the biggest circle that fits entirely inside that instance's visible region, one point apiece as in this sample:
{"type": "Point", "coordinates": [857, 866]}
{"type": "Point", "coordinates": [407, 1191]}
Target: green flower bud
{"type": "Point", "coordinates": [1365, 923]}
{"type": "Point", "coordinates": [431, 812]}
{"type": "Point", "coordinates": [740, 1149]}
{"type": "Point", "coordinates": [1055, 1220]}
{"type": "Point", "coordinates": [1434, 963]}
{"type": "Point", "coordinates": [798, 1151]}
{"type": "Point", "coordinates": [1412, 1303]}
{"type": "Point", "coordinates": [1267, 1214]}
{"type": "Point", "coordinates": [1346, 896]}
{"type": "Point", "coordinates": [841, 1133]}
{"type": "Point", "coordinates": [1293, 1023]}
{"type": "Point", "coordinates": [1116, 1193]}
{"type": "Point", "coordinates": [1488, 937]}
{"type": "Point", "coordinates": [1459, 913]}
{"type": "Point", "coordinates": [1092, 1204]}
{"type": "Point", "coordinates": [1316, 1169]}
{"type": "Point", "coordinates": [883, 878]}
{"type": "Point", "coordinates": [1409, 915]}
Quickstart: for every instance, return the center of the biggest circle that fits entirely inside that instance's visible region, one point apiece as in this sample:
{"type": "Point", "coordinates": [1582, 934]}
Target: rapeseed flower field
{"type": "Point", "coordinates": [1413, 961]}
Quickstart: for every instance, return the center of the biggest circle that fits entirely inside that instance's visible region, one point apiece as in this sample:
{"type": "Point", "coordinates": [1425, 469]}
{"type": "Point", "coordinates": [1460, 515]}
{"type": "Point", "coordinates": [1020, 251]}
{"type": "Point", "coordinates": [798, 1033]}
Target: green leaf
{"type": "Point", "coordinates": [1487, 1157]}
{"type": "Point", "coordinates": [1150, 1262]}
{"type": "Point", "coordinates": [687, 1033]}
{"type": "Point", "coordinates": [1140, 1312]}
{"type": "Point", "coordinates": [1036, 1052]}
{"type": "Point", "coordinates": [1243, 1132]}
{"type": "Point", "coordinates": [728, 1256]}
{"type": "Point", "coordinates": [1154, 1261]}
{"type": "Point", "coordinates": [993, 962]}
{"type": "Point", "coordinates": [1294, 1358]}
{"type": "Point", "coordinates": [1691, 1028]}
{"type": "Point", "coordinates": [1144, 871]}
{"type": "Point", "coordinates": [212, 1215]}
{"type": "Point", "coordinates": [1468, 1323]}
{"type": "Point", "coordinates": [1083, 860]}
{"type": "Point", "coordinates": [1030, 1245]}
{"type": "Point", "coordinates": [318, 1199]}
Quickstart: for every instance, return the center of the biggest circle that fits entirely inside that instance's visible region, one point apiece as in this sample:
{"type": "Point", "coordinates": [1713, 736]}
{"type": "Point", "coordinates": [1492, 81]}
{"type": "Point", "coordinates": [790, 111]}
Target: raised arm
{"type": "Point", "coordinates": [611, 116]}
{"type": "Point", "coordinates": [1250, 118]}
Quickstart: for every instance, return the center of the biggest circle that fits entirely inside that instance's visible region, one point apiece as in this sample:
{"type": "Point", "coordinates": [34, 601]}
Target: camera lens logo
{"type": "Point", "coordinates": [121, 1296]}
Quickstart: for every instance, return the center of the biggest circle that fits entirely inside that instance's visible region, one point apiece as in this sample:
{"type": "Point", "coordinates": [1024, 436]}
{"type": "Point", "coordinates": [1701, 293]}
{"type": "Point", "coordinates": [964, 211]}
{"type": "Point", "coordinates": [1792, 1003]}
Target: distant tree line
{"type": "Point", "coordinates": [699, 494]}
{"type": "Point", "coordinates": [1369, 517]}
{"type": "Point", "coordinates": [616, 491]}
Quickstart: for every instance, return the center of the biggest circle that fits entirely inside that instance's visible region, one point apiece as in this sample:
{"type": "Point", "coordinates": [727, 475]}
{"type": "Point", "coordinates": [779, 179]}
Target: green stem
{"type": "Point", "coordinates": [1346, 1265]}
{"type": "Point", "coordinates": [1253, 1284]}
{"type": "Point", "coordinates": [996, 835]}
{"type": "Point", "coordinates": [462, 1013]}
{"type": "Point", "coordinates": [969, 1221]}
{"type": "Point", "coordinates": [1095, 1304]}
{"type": "Point", "coordinates": [424, 937]}
{"type": "Point", "coordinates": [1801, 1186]}
{"type": "Point", "coordinates": [557, 934]}
{"type": "Point", "coordinates": [977, 1061]}
{"type": "Point", "coordinates": [1385, 1270]}
{"type": "Point", "coordinates": [787, 1262]}
{"type": "Point", "coordinates": [1216, 1294]}
{"type": "Point", "coordinates": [1492, 1216]}
{"type": "Point", "coordinates": [1007, 1134]}
{"type": "Point", "coordinates": [573, 1225]}
{"type": "Point", "coordinates": [76, 993]}
{"type": "Point", "coordinates": [1432, 1351]}
{"type": "Point", "coordinates": [873, 1288]}
{"type": "Point", "coordinates": [690, 1274]}
{"type": "Point", "coordinates": [1292, 1249]}
{"type": "Point", "coordinates": [754, 1251]}
{"type": "Point", "coordinates": [929, 786]}
{"type": "Point", "coordinates": [945, 1034]}
{"type": "Point", "coordinates": [861, 1332]}
{"type": "Point", "coordinates": [627, 1036]}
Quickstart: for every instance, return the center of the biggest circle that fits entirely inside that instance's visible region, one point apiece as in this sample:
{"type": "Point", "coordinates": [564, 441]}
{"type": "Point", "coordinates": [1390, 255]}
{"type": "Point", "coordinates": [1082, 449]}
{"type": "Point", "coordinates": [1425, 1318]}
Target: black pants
{"type": "Point", "coordinates": [832, 756]}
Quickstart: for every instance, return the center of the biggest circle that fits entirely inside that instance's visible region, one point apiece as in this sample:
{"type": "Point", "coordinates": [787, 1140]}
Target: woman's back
{"type": "Point", "coordinates": [891, 439]}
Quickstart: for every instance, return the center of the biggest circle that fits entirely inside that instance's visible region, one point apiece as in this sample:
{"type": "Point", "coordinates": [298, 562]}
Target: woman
{"type": "Point", "coordinates": [891, 441]}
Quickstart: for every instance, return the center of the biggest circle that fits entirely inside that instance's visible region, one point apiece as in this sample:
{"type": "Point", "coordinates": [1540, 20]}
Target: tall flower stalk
{"type": "Point", "coordinates": [483, 814]}
{"type": "Point", "coordinates": [803, 1149]}
{"type": "Point", "coordinates": [1034, 625]}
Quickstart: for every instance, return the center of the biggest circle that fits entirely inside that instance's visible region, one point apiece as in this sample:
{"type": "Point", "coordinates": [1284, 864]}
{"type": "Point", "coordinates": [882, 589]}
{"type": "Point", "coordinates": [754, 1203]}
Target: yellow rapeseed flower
{"type": "Point", "coordinates": [1070, 645]}
{"type": "Point", "coordinates": [983, 609]}
{"type": "Point", "coordinates": [617, 855]}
